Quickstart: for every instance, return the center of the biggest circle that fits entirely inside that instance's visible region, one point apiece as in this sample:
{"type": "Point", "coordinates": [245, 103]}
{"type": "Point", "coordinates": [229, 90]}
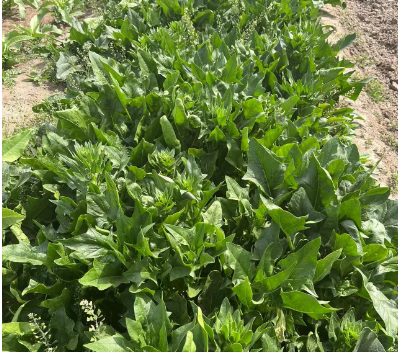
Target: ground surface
{"type": "Point", "coordinates": [374, 53]}
{"type": "Point", "coordinates": [18, 99]}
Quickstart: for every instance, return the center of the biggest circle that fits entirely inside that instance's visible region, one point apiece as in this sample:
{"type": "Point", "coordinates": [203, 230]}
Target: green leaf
{"type": "Point", "coordinates": [36, 287]}
{"type": "Point", "coordinates": [16, 328]}
{"type": "Point", "coordinates": [110, 344]}
{"type": "Point", "coordinates": [146, 62]}
{"type": "Point", "coordinates": [306, 261]}
{"type": "Point", "coordinates": [304, 303]}
{"type": "Point", "coordinates": [374, 252]}
{"type": "Point", "coordinates": [24, 253]}
{"type": "Point", "coordinates": [234, 156]}
{"type": "Point", "coordinates": [91, 244]}
{"type": "Point", "coordinates": [235, 192]}
{"type": "Point", "coordinates": [189, 345]}
{"type": "Point", "coordinates": [179, 113]}
{"type": "Point", "coordinates": [9, 218]}
{"type": "Point", "coordinates": [251, 108]}
{"type": "Point", "coordinates": [351, 209]}
{"type": "Point", "coordinates": [271, 283]}
{"type": "Point", "coordinates": [344, 42]}
{"type": "Point", "coordinates": [213, 215]}
{"type": "Point", "coordinates": [230, 69]}
{"type": "Point", "coordinates": [170, 81]}
{"type": "Point", "coordinates": [289, 223]}
{"type": "Point", "coordinates": [168, 132]}
{"type": "Point", "coordinates": [67, 65]}
{"type": "Point", "coordinates": [240, 260]}
{"type": "Point", "coordinates": [368, 342]}
{"type": "Point", "coordinates": [64, 326]}
{"type": "Point", "coordinates": [214, 292]}
{"type": "Point", "coordinates": [289, 104]}
{"type": "Point", "coordinates": [385, 307]}
{"type": "Point", "coordinates": [13, 148]}
{"type": "Point", "coordinates": [74, 123]}
{"type": "Point", "coordinates": [264, 168]}
{"type": "Point", "coordinates": [103, 276]}
{"type": "Point", "coordinates": [324, 266]}
{"type": "Point", "coordinates": [301, 206]}
{"type": "Point", "coordinates": [244, 293]}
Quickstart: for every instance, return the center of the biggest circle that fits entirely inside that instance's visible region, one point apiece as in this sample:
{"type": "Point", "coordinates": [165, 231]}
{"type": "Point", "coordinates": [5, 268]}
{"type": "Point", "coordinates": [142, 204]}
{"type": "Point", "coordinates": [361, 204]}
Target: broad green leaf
{"type": "Point", "coordinates": [244, 292]}
{"type": "Point", "coordinates": [374, 251]}
{"type": "Point", "coordinates": [13, 148]}
{"type": "Point", "coordinates": [289, 223]}
{"type": "Point", "coordinates": [235, 192]}
{"type": "Point", "coordinates": [9, 218]}
{"type": "Point", "coordinates": [64, 326]}
{"type": "Point", "coordinates": [24, 253]}
{"type": "Point", "coordinates": [179, 113]}
{"type": "Point", "coordinates": [21, 329]}
{"type": "Point", "coordinates": [304, 303]}
{"type": "Point", "coordinates": [368, 342]}
{"type": "Point", "coordinates": [240, 260]}
{"type": "Point", "coordinates": [251, 108]}
{"type": "Point", "coordinates": [110, 344]}
{"type": "Point", "coordinates": [324, 266]}
{"type": "Point", "coordinates": [385, 307]}
{"type": "Point", "coordinates": [74, 123]}
{"type": "Point", "coordinates": [168, 132]}
{"type": "Point", "coordinates": [273, 282]}
{"type": "Point", "coordinates": [103, 276]}
{"type": "Point", "coordinates": [305, 260]}
{"type": "Point", "coordinates": [36, 287]}
{"type": "Point", "coordinates": [351, 209]}
{"type": "Point", "coordinates": [189, 345]}
{"type": "Point", "coordinates": [264, 168]}
{"type": "Point", "coordinates": [301, 206]}
{"type": "Point", "coordinates": [230, 69]}
{"type": "Point", "coordinates": [289, 104]}
{"type": "Point", "coordinates": [213, 215]}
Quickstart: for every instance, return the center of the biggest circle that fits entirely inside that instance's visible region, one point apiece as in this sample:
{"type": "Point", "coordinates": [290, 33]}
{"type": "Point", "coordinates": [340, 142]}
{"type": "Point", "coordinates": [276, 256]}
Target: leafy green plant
{"type": "Point", "coordinates": [375, 91]}
{"type": "Point", "coordinates": [6, 6]}
{"type": "Point", "coordinates": [200, 191]}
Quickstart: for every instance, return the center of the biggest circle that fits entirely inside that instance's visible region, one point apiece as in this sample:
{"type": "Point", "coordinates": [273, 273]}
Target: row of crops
{"type": "Point", "coordinates": [200, 191]}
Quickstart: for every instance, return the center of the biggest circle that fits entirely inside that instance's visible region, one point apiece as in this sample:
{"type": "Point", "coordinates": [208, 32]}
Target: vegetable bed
{"type": "Point", "coordinates": [200, 191]}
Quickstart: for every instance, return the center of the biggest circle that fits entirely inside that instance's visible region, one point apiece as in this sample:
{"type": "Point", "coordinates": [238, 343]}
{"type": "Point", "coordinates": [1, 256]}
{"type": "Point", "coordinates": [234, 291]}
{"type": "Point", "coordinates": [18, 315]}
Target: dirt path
{"type": "Point", "coordinates": [374, 53]}
{"type": "Point", "coordinates": [18, 99]}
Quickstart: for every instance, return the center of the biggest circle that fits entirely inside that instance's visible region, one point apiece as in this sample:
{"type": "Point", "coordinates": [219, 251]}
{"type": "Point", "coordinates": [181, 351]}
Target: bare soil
{"type": "Point", "coordinates": [374, 53]}
{"type": "Point", "coordinates": [9, 21]}
{"type": "Point", "coordinates": [18, 100]}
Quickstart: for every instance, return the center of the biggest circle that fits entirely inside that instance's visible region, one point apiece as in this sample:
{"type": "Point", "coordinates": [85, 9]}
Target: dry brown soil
{"type": "Point", "coordinates": [374, 53]}
{"type": "Point", "coordinates": [18, 100]}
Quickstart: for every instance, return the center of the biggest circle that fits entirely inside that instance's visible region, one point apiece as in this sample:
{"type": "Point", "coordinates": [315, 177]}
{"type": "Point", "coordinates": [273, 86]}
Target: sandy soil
{"type": "Point", "coordinates": [374, 53]}
{"type": "Point", "coordinates": [13, 19]}
{"type": "Point", "coordinates": [19, 99]}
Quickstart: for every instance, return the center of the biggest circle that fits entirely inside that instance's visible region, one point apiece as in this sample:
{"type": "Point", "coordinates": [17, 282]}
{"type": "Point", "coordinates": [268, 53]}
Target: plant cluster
{"type": "Point", "coordinates": [200, 191]}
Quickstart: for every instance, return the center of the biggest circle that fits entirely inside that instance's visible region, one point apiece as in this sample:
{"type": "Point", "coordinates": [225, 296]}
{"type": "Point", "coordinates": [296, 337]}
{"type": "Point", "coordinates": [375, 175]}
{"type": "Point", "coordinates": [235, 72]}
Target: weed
{"type": "Point", "coordinates": [6, 6]}
{"type": "Point", "coordinates": [368, 142]}
{"type": "Point", "coordinates": [391, 141]}
{"type": "Point", "coordinates": [394, 182]}
{"type": "Point", "coordinates": [375, 90]}
{"type": "Point", "coordinates": [8, 78]}
{"type": "Point", "coordinates": [41, 332]}
{"type": "Point", "coordinates": [364, 60]}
